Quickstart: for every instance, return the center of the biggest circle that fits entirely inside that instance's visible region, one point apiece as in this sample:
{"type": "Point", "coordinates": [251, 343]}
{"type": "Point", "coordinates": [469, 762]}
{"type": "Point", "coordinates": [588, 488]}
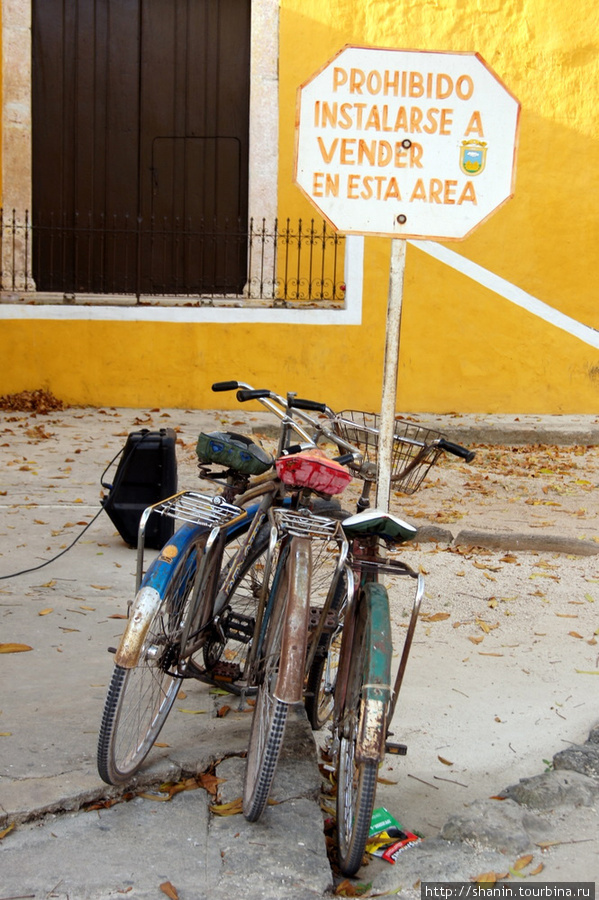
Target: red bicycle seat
{"type": "Point", "coordinates": [311, 469]}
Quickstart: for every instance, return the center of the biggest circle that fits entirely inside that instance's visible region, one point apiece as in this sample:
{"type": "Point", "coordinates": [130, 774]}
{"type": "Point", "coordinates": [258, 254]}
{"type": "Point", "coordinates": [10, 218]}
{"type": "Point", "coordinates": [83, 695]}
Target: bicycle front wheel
{"type": "Point", "coordinates": [139, 699]}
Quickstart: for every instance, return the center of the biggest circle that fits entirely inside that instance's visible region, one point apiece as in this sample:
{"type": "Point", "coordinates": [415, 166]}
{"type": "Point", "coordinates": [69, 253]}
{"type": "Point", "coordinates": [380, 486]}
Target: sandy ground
{"type": "Point", "coordinates": [504, 667]}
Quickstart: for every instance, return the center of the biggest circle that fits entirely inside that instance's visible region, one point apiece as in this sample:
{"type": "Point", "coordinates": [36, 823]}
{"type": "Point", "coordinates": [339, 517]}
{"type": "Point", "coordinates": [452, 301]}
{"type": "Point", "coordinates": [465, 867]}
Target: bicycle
{"type": "Point", "coordinates": [364, 698]}
{"type": "Point", "coordinates": [207, 590]}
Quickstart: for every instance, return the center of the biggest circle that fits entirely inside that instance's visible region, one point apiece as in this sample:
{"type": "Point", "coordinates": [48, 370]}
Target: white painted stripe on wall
{"type": "Point", "coordinates": [350, 315]}
{"type": "Point", "coordinates": [508, 290]}
{"type": "Point", "coordinates": [223, 315]}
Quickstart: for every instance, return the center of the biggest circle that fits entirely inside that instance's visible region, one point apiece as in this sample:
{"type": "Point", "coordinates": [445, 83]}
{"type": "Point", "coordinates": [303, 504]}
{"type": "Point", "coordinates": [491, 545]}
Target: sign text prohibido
{"type": "Point", "coordinates": [406, 143]}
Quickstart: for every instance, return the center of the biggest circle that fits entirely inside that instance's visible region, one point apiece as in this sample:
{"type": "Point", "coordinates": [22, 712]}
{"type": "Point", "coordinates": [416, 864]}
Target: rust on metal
{"type": "Point", "coordinates": [290, 682]}
{"type": "Point", "coordinates": [144, 609]}
{"type": "Point", "coordinates": [373, 716]}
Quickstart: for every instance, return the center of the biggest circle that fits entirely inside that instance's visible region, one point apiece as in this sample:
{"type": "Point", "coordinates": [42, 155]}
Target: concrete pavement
{"type": "Point", "coordinates": [68, 612]}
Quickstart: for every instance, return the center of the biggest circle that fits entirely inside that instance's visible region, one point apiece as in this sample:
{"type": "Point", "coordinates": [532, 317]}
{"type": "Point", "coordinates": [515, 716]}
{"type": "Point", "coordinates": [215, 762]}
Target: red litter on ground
{"type": "Point", "coordinates": [387, 837]}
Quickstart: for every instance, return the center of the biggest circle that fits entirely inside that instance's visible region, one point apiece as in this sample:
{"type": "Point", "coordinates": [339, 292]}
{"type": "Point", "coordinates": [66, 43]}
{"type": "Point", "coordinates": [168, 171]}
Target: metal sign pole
{"type": "Point", "coordinates": [391, 364]}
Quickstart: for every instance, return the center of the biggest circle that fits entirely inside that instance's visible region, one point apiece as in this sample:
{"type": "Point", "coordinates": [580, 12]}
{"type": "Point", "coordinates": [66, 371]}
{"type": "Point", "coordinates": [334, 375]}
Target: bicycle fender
{"type": "Point", "coordinates": [147, 599]}
{"type": "Point", "coordinates": [143, 610]}
{"type": "Point", "coordinates": [290, 680]}
{"type": "Point", "coordinates": [376, 688]}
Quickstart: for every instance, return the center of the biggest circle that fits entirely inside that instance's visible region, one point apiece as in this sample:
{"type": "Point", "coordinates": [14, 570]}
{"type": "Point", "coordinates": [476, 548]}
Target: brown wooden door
{"type": "Point", "coordinates": [140, 145]}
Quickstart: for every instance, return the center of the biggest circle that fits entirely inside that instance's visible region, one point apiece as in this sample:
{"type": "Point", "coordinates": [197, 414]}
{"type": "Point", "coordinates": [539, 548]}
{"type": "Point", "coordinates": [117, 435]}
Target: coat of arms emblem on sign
{"type": "Point", "coordinates": [473, 156]}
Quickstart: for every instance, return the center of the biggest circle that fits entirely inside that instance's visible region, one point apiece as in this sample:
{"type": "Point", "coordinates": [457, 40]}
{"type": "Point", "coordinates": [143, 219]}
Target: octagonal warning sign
{"type": "Point", "coordinates": [406, 143]}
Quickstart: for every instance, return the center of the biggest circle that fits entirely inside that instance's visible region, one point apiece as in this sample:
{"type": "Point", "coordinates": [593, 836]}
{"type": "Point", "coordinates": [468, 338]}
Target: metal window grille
{"type": "Point", "coordinates": [131, 261]}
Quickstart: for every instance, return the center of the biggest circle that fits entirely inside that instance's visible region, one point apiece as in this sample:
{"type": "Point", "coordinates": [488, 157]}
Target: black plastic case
{"type": "Point", "coordinates": [146, 474]}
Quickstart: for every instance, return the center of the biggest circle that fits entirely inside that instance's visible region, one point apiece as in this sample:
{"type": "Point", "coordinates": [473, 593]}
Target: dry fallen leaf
{"type": "Point", "coordinates": [14, 648]}
{"type": "Point", "coordinates": [210, 782]}
{"type": "Point", "coordinates": [167, 888]}
{"type": "Point", "coordinates": [444, 761]}
{"type": "Point", "coordinates": [45, 612]}
{"type": "Point", "coordinates": [228, 809]}
{"type": "Point", "coordinates": [347, 888]}
{"type": "Point", "coordinates": [522, 862]}
{"type": "Point", "coordinates": [435, 617]}
{"type": "Point", "coordinates": [485, 878]}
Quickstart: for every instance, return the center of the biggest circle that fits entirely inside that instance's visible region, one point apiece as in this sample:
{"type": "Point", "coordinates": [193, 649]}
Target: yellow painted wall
{"type": "Point", "coordinates": [463, 348]}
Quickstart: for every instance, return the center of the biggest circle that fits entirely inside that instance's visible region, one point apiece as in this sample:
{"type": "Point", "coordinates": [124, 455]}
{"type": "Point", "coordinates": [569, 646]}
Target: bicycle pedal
{"type": "Point", "coordinates": [330, 623]}
{"type": "Point", "coordinates": [395, 749]}
{"type": "Point", "coordinates": [224, 671]}
{"type": "Point", "coordinates": [239, 627]}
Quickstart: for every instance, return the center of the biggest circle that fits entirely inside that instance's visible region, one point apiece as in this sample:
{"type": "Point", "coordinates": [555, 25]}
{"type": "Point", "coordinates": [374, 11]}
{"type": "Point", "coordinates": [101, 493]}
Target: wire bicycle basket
{"type": "Point", "coordinates": [415, 448]}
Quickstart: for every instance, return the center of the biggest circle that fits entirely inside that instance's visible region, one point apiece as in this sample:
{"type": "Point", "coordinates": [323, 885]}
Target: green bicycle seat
{"type": "Point", "coordinates": [235, 451]}
{"type": "Point", "coordinates": [377, 522]}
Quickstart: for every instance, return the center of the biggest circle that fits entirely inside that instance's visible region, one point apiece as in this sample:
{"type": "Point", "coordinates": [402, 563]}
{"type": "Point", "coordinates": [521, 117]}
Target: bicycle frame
{"type": "Point", "coordinates": [295, 563]}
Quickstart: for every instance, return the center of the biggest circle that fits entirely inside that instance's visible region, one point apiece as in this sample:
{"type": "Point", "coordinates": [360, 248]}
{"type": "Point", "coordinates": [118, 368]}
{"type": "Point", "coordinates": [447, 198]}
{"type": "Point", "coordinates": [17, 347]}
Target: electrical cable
{"type": "Point", "coordinates": [58, 555]}
{"type": "Point", "coordinates": [72, 544]}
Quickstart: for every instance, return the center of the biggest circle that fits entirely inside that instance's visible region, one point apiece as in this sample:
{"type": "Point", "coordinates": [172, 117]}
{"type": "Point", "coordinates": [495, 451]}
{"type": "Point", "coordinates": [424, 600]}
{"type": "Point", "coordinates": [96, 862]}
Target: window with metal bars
{"type": "Point", "coordinates": [99, 259]}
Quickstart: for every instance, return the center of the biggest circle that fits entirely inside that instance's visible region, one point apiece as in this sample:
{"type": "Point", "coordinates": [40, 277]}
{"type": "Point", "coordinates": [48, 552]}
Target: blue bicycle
{"type": "Point", "coordinates": [202, 608]}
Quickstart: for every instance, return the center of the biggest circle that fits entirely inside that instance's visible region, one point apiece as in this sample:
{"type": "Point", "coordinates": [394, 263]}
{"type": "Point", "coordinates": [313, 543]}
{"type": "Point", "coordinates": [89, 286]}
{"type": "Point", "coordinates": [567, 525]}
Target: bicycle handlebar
{"type": "Point", "coordinates": [244, 395]}
{"type": "Point", "coordinates": [312, 405]}
{"type": "Point", "coordinates": [225, 385]}
{"type": "Point", "coordinates": [457, 450]}
{"type": "Point", "coordinates": [282, 408]}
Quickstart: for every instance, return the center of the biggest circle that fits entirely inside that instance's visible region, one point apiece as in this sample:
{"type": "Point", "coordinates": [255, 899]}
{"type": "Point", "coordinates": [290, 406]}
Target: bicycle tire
{"type": "Point", "coordinates": [320, 684]}
{"type": "Point", "coordinates": [270, 713]}
{"type": "Point", "coordinates": [140, 698]}
{"type": "Point", "coordinates": [356, 781]}
{"type": "Point", "coordinates": [322, 677]}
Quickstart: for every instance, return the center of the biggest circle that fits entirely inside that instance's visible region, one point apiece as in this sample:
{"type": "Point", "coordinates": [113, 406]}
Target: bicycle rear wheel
{"type": "Point", "coordinates": [320, 688]}
{"type": "Point", "coordinates": [356, 780]}
{"type": "Point", "coordinates": [140, 698]}
{"type": "Point", "coordinates": [322, 676]}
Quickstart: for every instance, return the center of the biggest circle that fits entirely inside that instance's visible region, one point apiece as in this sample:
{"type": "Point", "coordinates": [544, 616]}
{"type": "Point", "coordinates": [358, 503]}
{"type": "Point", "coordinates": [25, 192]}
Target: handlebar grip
{"type": "Point", "coordinates": [252, 395]}
{"type": "Point", "coordinates": [293, 449]}
{"type": "Point", "coordinates": [345, 460]}
{"type": "Point", "coordinates": [225, 385]}
{"type": "Point", "coordinates": [457, 450]}
{"type": "Point", "coordinates": [298, 403]}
